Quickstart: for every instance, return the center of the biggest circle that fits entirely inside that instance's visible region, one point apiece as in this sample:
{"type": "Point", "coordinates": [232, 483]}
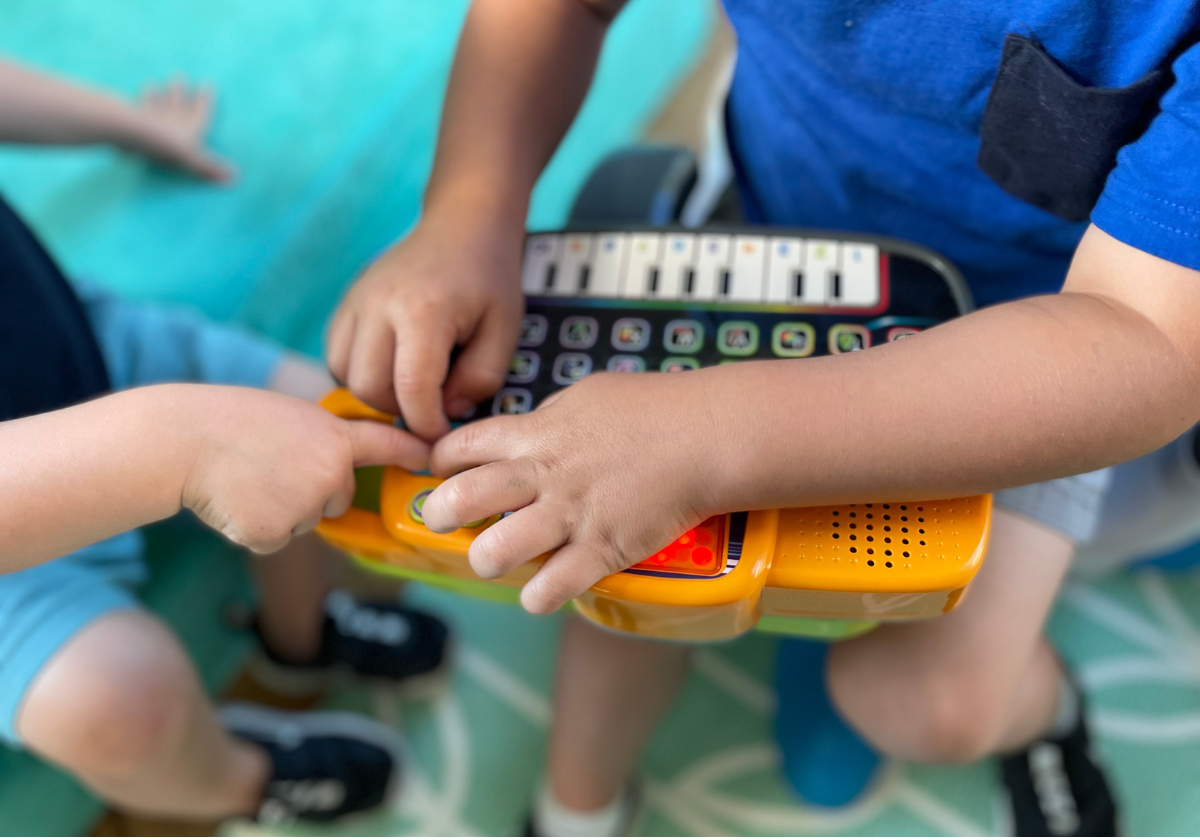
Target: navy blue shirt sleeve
{"type": "Point", "coordinates": [1152, 198]}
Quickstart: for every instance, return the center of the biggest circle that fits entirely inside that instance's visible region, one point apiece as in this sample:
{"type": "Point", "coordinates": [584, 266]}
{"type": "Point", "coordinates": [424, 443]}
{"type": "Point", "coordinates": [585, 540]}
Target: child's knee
{"type": "Point", "coordinates": [936, 714]}
{"type": "Point", "coordinates": [114, 708]}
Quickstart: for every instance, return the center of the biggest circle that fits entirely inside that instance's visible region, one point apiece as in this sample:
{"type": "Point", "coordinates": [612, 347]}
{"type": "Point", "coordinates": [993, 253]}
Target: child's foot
{"type": "Point", "coordinates": [551, 818]}
{"type": "Point", "coordinates": [324, 765]}
{"type": "Point", "coordinates": [1056, 788]}
{"type": "Point", "coordinates": [381, 641]}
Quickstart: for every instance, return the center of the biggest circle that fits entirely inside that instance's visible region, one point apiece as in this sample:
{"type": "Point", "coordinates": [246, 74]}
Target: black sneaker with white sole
{"type": "Point", "coordinates": [379, 641]}
{"type": "Point", "coordinates": [1056, 788]}
{"type": "Point", "coordinates": [324, 765]}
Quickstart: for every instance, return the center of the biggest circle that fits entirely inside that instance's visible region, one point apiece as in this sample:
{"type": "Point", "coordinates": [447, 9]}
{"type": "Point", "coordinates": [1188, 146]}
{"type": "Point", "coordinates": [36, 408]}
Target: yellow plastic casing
{"type": "Point", "coordinates": [854, 563]}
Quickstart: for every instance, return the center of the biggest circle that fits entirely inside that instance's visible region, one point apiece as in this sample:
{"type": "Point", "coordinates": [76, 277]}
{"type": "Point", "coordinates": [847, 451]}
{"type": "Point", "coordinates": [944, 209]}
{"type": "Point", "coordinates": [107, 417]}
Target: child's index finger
{"type": "Point", "coordinates": [475, 444]}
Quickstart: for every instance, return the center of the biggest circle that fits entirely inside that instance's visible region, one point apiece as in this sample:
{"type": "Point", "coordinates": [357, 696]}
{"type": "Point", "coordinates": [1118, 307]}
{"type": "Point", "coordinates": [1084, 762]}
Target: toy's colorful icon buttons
{"type": "Point", "coordinates": [626, 364]}
{"type": "Point", "coordinates": [737, 338]}
{"type": "Point", "coordinates": [847, 338]}
{"type": "Point", "coordinates": [533, 330]}
{"type": "Point", "coordinates": [578, 332]}
{"type": "Point", "coordinates": [569, 368]}
{"type": "Point", "coordinates": [631, 334]}
{"type": "Point", "coordinates": [696, 553]}
{"type": "Point", "coordinates": [901, 332]}
{"type": "Point", "coordinates": [682, 336]}
{"type": "Point", "coordinates": [417, 505]}
{"type": "Point", "coordinates": [523, 367]}
{"type": "Point", "coordinates": [512, 401]}
{"type": "Point", "coordinates": [793, 339]}
{"type": "Point", "coordinates": [675, 364]}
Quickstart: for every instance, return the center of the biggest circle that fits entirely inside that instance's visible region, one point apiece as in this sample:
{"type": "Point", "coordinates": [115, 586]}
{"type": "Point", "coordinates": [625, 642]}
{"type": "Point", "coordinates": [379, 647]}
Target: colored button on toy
{"type": "Point", "coordinates": [417, 505]}
{"type": "Point", "coordinates": [847, 338]}
{"type": "Point", "coordinates": [683, 336]}
{"type": "Point", "coordinates": [676, 364]}
{"type": "Point", "coordinates": [793, 339]}
{"type": "Point", "coordinates": [738, 338]}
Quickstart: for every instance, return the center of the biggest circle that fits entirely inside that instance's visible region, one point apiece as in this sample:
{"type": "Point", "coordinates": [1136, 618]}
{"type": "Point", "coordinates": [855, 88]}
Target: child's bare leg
{"type": "Point", "coordinates": [980, 680]}
{"type": "Point", "coordinates": [121, 708]}
{"type": "Point", "coordinates": [609, 693]}
{"type": "Point", "coordinates": [292, 585]}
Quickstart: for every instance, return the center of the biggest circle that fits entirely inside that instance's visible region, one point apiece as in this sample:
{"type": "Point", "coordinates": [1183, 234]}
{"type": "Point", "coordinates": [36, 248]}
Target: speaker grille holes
{"type": "Point", "coordinates": [922, 530]}
{"type": "Point", "coordinates": [835, 524]}
{"type": "Point", "coordinates": [887, 527]}
{"type": "Point", "coordinates": [887, 516]}
{"type": "Point", "coordinates": [904, 530]}
{"type": "Point", "coordinates": [888, 552]}
{"type": "Point", "coordinates": [903, 518]}
{"type": "Point", "coordinates": [903, 507]}
{"type": "Point", "coordinates": [854, 536]}
{"type": "Point", "coordinates": [853, 550]}
{"type": "Point", "coordinates": [867, 506]}
{"type": "Point", "coordinates": [888, 564]}
{"type": "Point", "coordinates": [922, 542]}
{"type": "Point", "coordinates": [887, 507]}
{"type": "Point", "coordinates": [870, 538]}
{"type": "Point", "coordinates": [837, 536]}
{"type": "Point", "coordinates": [870, 527]}
{"type": "Point", "coordinates": [887, 539]}
{"type": "Point", "coordinates": [906, 554]}
{"type": "Point", "coordinates": [920, 518]}
{"type": "Point", "coordinates": [835, 513]}
{"type": "Point", "coordinates": [870, 551]}
{"type": "Point", "coordinates": [855, 525]}
{"type": "Point", "coordinates": [904, 541]}
{"type": "Point", "coordinates": [853, 514]}
{"type": "Point", "coordinates": [870, 562]}
{"type": "Point", "coordinates": [920, 508]}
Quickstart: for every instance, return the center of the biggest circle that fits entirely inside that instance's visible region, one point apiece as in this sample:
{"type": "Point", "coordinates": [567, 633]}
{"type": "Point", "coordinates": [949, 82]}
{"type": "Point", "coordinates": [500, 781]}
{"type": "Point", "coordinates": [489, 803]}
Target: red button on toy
{"type": "Point", "coordinates": [698, 552]}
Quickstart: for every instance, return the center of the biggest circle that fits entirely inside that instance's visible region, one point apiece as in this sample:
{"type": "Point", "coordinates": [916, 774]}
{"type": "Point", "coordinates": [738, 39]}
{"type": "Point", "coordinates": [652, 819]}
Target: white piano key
{"type": "Point", "coordinates": [860, 275]}
{"type": "Point", "coordinates": [748, 283]}
{"type": "Point", "coordinates": [643, 269]}
{"type": "Point", "coordinates": [576, 258]}
{"type": "Point", "coordinates": [541, 262]}
{"type": "Point", "coordinates": [820, 268]}
{"type": "Point", "coordinates": [608, 265]}
{"type": "Point", "coordinates": [678, 260]}
{"type": "Point", "coordinates": [712, 263]}
{"type": "Point", "coordinates": [785, 269]}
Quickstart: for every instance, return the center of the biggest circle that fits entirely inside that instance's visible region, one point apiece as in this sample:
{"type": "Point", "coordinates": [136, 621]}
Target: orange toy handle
{"type": "Point", "coordinates": [347, 406]}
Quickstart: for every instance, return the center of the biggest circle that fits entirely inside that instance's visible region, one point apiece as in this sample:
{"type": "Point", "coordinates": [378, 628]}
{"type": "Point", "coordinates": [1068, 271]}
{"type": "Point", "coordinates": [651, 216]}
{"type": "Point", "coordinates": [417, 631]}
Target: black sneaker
{"type": "Point", "coordinates": [1056, 788]}
{"type": "Point", "coordinates": [378, 641]}
{"type": "Point", "coordinates": [324, 765]}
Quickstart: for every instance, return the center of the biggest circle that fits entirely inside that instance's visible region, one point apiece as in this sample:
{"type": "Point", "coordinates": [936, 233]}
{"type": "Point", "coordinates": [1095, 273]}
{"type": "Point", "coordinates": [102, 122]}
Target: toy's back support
{"type": "Point", "coordinates": [654, 300]}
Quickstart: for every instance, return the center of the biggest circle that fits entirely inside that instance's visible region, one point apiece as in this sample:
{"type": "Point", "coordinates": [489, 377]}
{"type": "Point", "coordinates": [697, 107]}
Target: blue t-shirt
{"type": "Point", "coordinates": [866, 115]}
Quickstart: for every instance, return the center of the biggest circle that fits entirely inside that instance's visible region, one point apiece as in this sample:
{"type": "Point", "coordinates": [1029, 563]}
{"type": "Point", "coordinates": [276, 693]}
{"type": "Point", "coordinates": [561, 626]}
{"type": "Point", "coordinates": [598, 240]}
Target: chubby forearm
{"type": "Point", "coordinates": [38, 108]}
{"type": "Point", "coordinates": [1025, 392]}
{"type": "Point", "coordinates": [72, 477]}
{"type": "Point", "coordinates": [521, 71]}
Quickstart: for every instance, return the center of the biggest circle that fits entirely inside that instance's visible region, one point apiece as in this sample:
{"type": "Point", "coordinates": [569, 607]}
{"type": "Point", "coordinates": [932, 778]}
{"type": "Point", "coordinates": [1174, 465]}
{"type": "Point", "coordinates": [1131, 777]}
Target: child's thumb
{"type": "Point", "coordinates": [376, 443]}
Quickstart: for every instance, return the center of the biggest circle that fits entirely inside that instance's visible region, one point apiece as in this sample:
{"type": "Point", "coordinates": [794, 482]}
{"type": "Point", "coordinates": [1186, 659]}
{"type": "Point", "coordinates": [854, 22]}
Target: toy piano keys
{"type": "Point", "coordinates": [667, 300]}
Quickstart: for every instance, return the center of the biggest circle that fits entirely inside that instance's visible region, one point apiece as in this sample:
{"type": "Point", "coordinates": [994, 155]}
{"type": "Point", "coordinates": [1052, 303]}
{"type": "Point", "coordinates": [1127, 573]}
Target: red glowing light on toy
{"type": "Point", "coordinates": [694, 553]}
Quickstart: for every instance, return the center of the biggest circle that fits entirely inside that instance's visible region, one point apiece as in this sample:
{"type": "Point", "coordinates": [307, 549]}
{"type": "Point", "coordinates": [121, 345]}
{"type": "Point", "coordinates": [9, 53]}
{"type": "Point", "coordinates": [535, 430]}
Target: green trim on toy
{"type": "Point", "coordinates": [830, 630]}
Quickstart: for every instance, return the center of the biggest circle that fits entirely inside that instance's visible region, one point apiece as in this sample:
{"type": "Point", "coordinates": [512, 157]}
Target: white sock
{"type": "Point", "coordinates": [1066, 714]}
{"type": "Point", "coordinates": [553, 819]}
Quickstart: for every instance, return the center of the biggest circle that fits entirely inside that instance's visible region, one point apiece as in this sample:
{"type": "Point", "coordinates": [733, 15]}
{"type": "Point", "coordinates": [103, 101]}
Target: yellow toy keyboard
{"type": "Point", "coordinates": [667, 300]}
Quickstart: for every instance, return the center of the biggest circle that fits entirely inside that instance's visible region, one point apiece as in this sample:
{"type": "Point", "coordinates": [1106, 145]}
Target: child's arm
{"type": "Point", "coordinates": [1036, 389]}
{"type": "Point", "coordinates": [258, 467]}
{"type": "Point", "coordinates": [522, 69]}
{"type": "Point", "coordinates": [169, 124]}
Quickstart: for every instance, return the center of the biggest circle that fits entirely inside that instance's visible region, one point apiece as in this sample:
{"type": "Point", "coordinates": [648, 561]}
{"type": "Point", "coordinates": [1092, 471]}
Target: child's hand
{"type": "Point", "coordinates": [266, 467]}
{"type": "Point", "coordinates": [449, 283]}
{"type": "Point", "coordinates": [172, 125]}
{"type": "Point", "coordinates": [604, 474]}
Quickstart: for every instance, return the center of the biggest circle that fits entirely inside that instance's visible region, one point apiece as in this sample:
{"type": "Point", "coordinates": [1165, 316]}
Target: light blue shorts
{"type": "Point", "coordinates": [42, 608]}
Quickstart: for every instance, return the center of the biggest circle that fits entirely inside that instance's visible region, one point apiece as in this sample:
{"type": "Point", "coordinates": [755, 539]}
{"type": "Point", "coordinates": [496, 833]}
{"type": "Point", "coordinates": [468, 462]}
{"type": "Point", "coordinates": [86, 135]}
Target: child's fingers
{"type": "Point", "coordinates": [517, 539]}
{"type": "Point", "coordinates": [339, 343]}
{"type": "Point", "coordinates": [567, 574]}
{"type": "Point", "coordinates": [478, 494]}
{"type": "Point", "coordinates": [340, 502]}
{"type": "Point", "coordinates": [418, 369]}
{"type": "Point", "coordinates": [475, 444]}
{"type": "Point", "coordinates": [483, 363]}
{"type": "Point", "coordinates": [369, 376]}
{"type": "Point", "coordinates": [374, 443]}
